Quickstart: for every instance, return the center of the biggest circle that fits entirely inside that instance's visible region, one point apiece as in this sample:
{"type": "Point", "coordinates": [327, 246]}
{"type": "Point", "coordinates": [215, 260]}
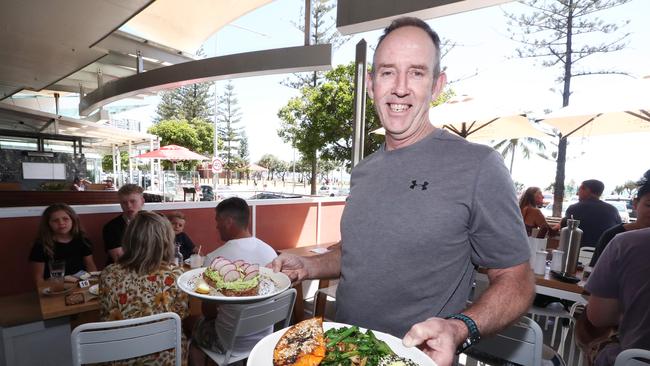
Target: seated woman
{"type": "Point", "coordinates": [143, 282]}
{"type": "Point", "coordinates": [533, 217]}
{"type": "Point", "coordinates": [79, 184]}
{"type": "Point", "coordinates": [641, 204]}
{"type": "Point", "coordinates": [60, 237]}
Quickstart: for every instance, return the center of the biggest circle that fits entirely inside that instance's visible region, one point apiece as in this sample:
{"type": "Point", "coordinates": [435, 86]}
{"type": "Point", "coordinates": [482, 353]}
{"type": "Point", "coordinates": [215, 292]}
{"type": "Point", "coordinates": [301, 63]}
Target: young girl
{"type": "Point", "coordinates": [60, 237]}
{"type": "Point", "coordinates": [178, 224]}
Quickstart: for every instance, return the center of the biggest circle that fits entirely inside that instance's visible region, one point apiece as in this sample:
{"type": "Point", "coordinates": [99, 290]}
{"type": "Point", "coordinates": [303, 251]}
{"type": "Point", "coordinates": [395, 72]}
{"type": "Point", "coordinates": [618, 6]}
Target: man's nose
{"type": "Point", "coordinates": [400, 88]}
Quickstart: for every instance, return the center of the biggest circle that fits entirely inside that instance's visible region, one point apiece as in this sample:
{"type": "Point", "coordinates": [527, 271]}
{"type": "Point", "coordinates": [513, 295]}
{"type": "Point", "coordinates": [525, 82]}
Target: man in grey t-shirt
{"type": "Point", "coordinates": [422, 213]}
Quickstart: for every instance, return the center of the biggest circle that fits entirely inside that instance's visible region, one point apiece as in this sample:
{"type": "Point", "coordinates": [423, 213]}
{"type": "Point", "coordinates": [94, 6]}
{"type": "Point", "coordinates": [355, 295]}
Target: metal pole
{"type": "Point", "coordinates": [359, 102]}
{"type": "Point", "coordinates": [307, 21]}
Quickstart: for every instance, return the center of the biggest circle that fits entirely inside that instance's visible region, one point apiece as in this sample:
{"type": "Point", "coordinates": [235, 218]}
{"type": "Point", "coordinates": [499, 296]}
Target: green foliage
{"type": "Point", "coordinates": [182, 133]}
{"type": "Point", "coordinates": [189, 102]}
{"type": "Point", "coordinates": [107, 162]}
{"type": "Point", "coordinates": [228, 119]}
{"type": "Point", "coordinates": [628, 188]}
{"type": "Point", "coordinates": [322, 119]}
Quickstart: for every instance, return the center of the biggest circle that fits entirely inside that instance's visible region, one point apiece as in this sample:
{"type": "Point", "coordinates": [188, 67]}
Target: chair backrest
{"type": "Point", "coordinates": [631, 357]}
{"type": "Point", "coordinates": [520, 343]}
{"type": "Point", "coordinates": [257, 317]}
{"type": "Point", "coordinates": [122, 339]}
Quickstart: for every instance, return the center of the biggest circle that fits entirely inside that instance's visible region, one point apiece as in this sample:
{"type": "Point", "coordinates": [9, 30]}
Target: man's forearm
{"type": "Point", "coordinates": [325, 266]}
{"type": "Point", "coordinates": [508, 297]}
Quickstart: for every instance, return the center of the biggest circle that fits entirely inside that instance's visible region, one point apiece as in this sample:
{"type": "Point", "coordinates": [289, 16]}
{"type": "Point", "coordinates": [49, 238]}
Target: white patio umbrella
{"type": "Point", "coordinates": [627, 110]}
{"type": "Point", "coordinates": [476, 118]}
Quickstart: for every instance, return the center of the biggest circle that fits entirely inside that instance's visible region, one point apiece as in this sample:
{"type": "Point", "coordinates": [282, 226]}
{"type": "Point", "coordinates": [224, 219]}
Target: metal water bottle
{"type": "Point", "coordinates": [570, 237]}
{"type": "Point", "coordinates": [178, 257]}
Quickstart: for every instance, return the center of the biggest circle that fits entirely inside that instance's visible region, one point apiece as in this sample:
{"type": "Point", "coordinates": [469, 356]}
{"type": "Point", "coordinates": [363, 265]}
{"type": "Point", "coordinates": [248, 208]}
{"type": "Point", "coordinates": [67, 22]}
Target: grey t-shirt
{"type": "Point", "coordinates": [416, 223]}
{"type": "Point", "coordinates": [623, 273]}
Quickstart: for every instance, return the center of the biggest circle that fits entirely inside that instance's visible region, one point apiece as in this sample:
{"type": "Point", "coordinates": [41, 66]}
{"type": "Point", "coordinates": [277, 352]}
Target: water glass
{"type": "Point", "coordinates": [196, 260]}
{"type": "Point", "coordinates": [57, 274]}
{"type": "Point", "coordinates": [540, 262]}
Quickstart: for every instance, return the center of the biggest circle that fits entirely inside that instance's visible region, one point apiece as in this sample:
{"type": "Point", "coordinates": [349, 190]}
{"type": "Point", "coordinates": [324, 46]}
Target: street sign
{"type": "Point", "coordinates": [217, 165]}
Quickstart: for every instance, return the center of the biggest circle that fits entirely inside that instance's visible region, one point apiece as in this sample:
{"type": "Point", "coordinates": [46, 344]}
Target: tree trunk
{"type": "Point", "coordinates": [314, 174]}
{"type": "Point", "coordinates": [558, 193]}
{"type": "Point", "coordinates": [558, 190]}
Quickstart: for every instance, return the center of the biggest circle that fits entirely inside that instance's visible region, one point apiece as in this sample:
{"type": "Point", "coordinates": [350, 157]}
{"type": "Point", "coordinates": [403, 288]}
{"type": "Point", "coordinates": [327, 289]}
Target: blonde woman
{"type": "Point", "coordinates": [60, 237]}
{"type": "Point", "coordinates": [533, 217]}
{"type": "Point", "coordinates": [143, 281]}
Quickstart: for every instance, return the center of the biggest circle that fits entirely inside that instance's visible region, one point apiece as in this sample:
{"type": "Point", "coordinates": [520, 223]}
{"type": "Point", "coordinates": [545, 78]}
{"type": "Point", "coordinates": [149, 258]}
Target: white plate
{"type": "Point", "coordinates": [95, 273]}
{"type": "Point", "coordinates": [262, 353]}
{"type": "Point", "coordinates": [94, 290]}
{"type": "Point", "coordinates": [67, 288]}
{"type": "Point", "coordinates": [271, 283]}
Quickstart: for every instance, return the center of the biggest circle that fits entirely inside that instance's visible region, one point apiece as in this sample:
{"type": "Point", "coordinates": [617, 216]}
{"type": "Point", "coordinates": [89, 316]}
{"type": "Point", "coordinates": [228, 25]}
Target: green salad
{"type": "Point", "coordinates": [348, 346]}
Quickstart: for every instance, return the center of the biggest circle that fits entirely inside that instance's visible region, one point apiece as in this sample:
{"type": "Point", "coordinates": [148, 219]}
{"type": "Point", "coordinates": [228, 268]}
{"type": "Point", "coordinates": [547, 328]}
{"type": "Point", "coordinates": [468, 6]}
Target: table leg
{"type": "Point", "coordinates": [321, 299]}
{"type": "Point", "coordinates": [298, 307]}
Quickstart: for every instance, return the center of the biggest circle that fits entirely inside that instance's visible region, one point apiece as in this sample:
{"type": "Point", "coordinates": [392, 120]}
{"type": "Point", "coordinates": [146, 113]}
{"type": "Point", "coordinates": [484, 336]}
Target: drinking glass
{"type": "Point", "coordinates": [57, 273]}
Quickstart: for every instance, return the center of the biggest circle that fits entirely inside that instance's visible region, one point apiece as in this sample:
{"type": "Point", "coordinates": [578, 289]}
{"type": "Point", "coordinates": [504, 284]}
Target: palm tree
{"type": "Point", "coordinates": [510, 146]}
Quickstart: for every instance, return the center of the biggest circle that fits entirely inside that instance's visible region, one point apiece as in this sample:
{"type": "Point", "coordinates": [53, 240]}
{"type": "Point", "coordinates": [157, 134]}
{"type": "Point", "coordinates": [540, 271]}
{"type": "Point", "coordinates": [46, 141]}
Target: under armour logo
{"type": "Point", "coordinates": [423, 186]}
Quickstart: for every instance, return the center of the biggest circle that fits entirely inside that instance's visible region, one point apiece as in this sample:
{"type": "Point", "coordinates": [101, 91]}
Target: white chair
{"type": "Point", "coordinates": [249, 319]}
{"type": "Point", "coordinates": [329, 291]}
{"type": "Point", "coordinates": [122, 339]}
{"type": "Point", "coordinates": [520, 343]}
{"type": "Point", "coordinates": [557, 312]}
{"type": "Point", "coordinates": [630, 357]}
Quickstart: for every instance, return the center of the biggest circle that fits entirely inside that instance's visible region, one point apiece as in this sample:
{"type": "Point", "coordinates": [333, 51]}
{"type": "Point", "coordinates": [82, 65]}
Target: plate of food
{"type": "Point", "coordinates": [312, 342]}
{"type": "Point", "coordinates": [233, 281]}
{"type": "Point", "coordinates": [48, 291]}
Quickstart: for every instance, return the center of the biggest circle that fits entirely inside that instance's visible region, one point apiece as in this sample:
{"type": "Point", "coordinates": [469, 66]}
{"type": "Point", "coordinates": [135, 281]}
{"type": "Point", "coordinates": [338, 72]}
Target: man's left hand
{"type": "Point", "coordinates": [438, 338]}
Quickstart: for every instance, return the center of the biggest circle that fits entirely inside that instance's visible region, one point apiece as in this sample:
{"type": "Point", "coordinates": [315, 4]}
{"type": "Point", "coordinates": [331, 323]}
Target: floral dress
{"type": "Point", "coordinates": [125, 294]}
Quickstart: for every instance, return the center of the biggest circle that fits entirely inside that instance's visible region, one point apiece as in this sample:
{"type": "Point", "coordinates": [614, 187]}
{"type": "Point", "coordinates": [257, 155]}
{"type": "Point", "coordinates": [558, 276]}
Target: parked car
{"type": "Point", "coordinates": [207, 193]}
{"type": "Point", "coordinates": [272, 195]}
{"type": "Point", "coordinates": [622, 210]}
{"type": "Point", "coordinates": [328, 191]}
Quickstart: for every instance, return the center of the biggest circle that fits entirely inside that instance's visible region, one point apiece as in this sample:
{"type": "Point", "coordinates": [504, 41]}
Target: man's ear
{"type": "Point", "coordinates": [369, 85]}
{"type": "Point", "coordinates": [438, 86]}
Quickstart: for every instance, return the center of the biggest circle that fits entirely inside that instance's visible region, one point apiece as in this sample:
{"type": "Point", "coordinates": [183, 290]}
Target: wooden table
{"type": "Point", "coordinates": [547, 285]}
{"type": "Point", "coordinates": [298, 309]}
{"type": "Point", "coordinates": [54, 306]}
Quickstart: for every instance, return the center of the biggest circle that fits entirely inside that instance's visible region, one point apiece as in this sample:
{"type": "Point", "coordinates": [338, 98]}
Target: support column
{"type": "Point", "coordinates": [359, 102]}
{"type": "Point", "coordinates": [129, 152]}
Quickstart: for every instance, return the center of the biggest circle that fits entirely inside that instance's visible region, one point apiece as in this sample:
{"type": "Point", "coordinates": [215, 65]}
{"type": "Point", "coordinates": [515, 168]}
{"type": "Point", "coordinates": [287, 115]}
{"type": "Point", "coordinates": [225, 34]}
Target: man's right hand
{"type": "Point", "coordinates": [292, 265]}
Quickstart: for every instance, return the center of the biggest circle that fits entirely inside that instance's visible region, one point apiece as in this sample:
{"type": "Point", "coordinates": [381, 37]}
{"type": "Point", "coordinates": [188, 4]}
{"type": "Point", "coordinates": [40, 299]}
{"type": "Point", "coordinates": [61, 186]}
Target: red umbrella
{"type": "Point", "coordinates": [174, 153]}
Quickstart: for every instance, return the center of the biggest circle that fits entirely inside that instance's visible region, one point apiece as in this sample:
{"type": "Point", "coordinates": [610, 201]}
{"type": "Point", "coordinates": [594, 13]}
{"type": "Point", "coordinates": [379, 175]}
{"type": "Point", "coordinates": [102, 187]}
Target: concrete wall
{"type": "Point", "coordinates": [11, 169]}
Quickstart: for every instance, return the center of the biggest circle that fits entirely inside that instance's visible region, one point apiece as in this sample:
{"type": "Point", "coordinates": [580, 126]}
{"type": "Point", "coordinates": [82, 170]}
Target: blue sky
{"type": "Point", "coordinates": [484, 50]}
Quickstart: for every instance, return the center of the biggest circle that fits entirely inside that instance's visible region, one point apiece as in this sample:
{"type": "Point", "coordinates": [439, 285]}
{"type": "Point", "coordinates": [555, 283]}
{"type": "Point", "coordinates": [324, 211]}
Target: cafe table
{"type": "Point", "coordinates": [308, 251]}
{"type": "Point", "coordinates": [548, 285]}
{"type": "Point", "coordinates": [54, 306]}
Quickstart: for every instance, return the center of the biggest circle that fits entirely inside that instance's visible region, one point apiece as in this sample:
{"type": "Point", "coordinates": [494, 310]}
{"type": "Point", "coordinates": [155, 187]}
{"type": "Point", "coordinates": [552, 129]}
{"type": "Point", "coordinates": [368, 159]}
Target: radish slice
{"type": "Point", "coordinates": [239, 262]}
{"type": "Point", "coordinates": [251, 275]}
{"type": "Point", "coordinates": [251, 268]}
{"type": "Point", "coordinates": [231, 276]}
{"type": "Point", "coordinates": [227, 268]}
{"type": "Point", "coordinates": [218, 263]}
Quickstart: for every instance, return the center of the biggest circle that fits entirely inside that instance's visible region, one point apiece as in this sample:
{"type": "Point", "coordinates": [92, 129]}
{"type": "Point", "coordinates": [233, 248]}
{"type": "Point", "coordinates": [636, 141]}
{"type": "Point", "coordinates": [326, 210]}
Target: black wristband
{"type": "Point", "coordinates": [472, 330]}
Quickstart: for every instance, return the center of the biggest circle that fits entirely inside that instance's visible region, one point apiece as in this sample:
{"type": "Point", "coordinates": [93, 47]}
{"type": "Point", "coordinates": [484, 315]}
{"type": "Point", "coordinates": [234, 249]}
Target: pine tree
{"type": "Point", "coordinates": [562, 33]}
{"type": "Point", "coordinates": [228, 118]}
{"type": "Point", "coordinates": [168, 107]}
{"type": "Point", "coordinates": [323, 31]}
